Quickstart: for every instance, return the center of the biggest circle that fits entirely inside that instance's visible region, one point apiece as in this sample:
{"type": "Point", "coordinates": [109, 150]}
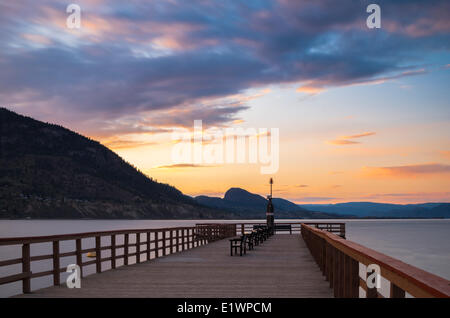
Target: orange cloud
{"type": "Point", "coordinates": [358, 135]}
{"type": "Point", "coordinates": [312, 90]}
{"type": "Point", "coordinates": [406, 171]}
{"type": "Point", "coordinates": [126, 144]}
{"type": "Point", "coordinates": [445, 153]}
{"type": "Point", "coordinates": [37, 38]}
{"type": "Point", "coordinates": [344, 140]}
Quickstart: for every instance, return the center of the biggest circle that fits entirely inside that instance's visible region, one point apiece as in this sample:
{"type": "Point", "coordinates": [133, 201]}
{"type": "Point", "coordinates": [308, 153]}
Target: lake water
{"type": "Point", "coordinates": [422, 243]}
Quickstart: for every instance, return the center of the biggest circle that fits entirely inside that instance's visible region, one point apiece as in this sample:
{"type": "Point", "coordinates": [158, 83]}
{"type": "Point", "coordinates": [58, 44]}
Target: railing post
{"type": "Point", "coordinates": [335, 272]}
{"type": "Point", "coordinates": [343, 282]}
{"type": "Point", "coordinates": [138, 248]}
{"type": "Point", "coordinates": [125, 249]}
{"type": "Point", "coordinates": [354, 278]}
{"type": "Point", "coordinates": [171, 241]}
{"type": "Point", "coordinates": [182, 239]}
{"type": "Point", "coordinates": [56, 265]}
{"type": "Point", "coordinates": [371, 292]}
{"type": "Point", "coordinates": [324, 257]}
{"type": "Point", "coordinates": [396, 292]}
{"type": "Point", "coordinates": [164, 242]}
{"type": "Point", "coordinates": [342, 228]}
{"type": "Point", "coordinates": [327, 261]}
{"type": "Point", "coordinates": [98, 254]}
{"type": "Point", "coordinates": [113, 251]}
{"type": "Point", "coordinates": [26, 268]}
{"type": "Point", "coordinates": [188, 238]}
{"type": "Point", "coordinates": [79, 255]}
{"type": "Point", "coordinates": [148, 246]}
{"type": "Point", "coordinates": [156, 235]}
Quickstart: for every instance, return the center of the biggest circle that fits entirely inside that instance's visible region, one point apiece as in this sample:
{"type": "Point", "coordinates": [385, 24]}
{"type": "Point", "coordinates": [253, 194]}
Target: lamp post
{"type": "Point", "coordinates": [269, 211]}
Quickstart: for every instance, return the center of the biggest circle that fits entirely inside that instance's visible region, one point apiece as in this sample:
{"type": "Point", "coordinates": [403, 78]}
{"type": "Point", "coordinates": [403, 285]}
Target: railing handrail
{"type": "Point", "coordinates": [277, 222]}
{"type": "Point", "coordinates": [164, 240]}
{"type": "Point", "coordinates": [415, 281]}
{"type": "Point", "coordinates": [71, 236]}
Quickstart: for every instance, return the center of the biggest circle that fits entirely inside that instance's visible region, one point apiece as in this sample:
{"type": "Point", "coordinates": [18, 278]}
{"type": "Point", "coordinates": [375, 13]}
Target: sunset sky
{"type": "Point", "coordinates": [363, 114]}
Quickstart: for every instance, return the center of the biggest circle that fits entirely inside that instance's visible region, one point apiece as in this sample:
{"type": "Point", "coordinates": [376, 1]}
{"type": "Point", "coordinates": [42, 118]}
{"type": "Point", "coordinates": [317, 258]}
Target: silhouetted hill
{"type": "Point", "coordinates": [250, 205]}
{"type": "Point", "coordinates": [47, 171]}
{"type": "Point", "coordinates": [371, 209]}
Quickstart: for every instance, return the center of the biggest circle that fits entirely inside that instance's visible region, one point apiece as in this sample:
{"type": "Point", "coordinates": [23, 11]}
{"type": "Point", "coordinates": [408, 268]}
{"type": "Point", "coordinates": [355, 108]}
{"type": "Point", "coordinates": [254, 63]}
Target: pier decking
{"type": "Point", "coordinates": [281, 267]}
{"type": "Point", "coordinates": [313, 260]}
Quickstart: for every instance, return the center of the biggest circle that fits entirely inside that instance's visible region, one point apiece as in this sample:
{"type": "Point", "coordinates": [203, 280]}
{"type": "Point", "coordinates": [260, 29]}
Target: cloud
{"type": "Point", "coordinates": [358, 135]}
{"type": "Point", "coordinates": [126, 144]}
{"type": "Point", "coordinates": [445, 153]}
{"type": "Point", "coordinates": [406, 171]}
{"type": "Point", "coordinates": [344, 140]}
{"type": "Point", "coordinates": [311, 90]}
{"type": "Point", "coordinates": [162, 56]}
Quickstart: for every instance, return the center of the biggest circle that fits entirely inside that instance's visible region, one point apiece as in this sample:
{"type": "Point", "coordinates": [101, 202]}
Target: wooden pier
{"type": "Point", "coordinates": [280, 267]}
{"type": "Point", "coordinates": [309, 260]}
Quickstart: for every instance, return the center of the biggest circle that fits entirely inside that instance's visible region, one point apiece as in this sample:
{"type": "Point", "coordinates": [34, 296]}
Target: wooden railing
{"type": "Point", "coordinates": [337, 228]}
{"type": "Point", "coordinates": [339, 261]}
{"type": "Point", "coordinates": [146, 244]}
{"type": "Point", "coordinates": [214, 232]}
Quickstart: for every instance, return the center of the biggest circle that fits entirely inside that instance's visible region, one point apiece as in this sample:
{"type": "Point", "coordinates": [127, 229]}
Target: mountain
{"type": "Point", "coordinates": [249, 205]}
{"type": "Point", "coordinates": [48, 171]}
{"type": "Point", "coordinates": [379, 210]}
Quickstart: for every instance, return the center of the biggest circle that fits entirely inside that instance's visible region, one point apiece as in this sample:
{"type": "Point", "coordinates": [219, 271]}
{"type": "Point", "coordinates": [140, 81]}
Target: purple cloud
{"type": "Point", "coordinates": [151, 57]}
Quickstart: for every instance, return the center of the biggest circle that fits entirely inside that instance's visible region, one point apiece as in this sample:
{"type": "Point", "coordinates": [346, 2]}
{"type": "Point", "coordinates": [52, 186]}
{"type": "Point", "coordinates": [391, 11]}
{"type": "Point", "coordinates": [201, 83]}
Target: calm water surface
{"type": "Point", "coordinates": [422, 243]}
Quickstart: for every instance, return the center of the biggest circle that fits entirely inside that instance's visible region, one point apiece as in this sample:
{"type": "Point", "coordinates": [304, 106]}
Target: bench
{"type": "Point", "coordinates": [262, 233]}
{"type": "Point", "coordinates": [238, 242]}
{"type": "Point", "coordinates": [251, 238]}
{"type": "Point", "coordinates": [283, 227]}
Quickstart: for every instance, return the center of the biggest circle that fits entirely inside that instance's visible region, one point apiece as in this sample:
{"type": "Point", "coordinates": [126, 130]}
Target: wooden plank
{"type": "Point", "coordinates": [72, 236]}
{"type": "Point", "coordinates": [113, 251]}
{"type": "Point", "coordinates": [125, 249]}
{"type": "Point", "coordinates": [56, 264]}
{"type": "Point", "coordinates": [98, 256]}
{"type": "Point", "coordinates": [79, 255]}
{"type": "Point", "coordinates": [26, 268]}
{"type": "Point", "coordinates": [171, 241]}
{"type": "Point", "coordinates": [354, 278]}
{"type": "Point", "coordinates": [164, 243]}
{"type": "Point", "coordinates": [182, 240]}
{"type": "Point", "coordinates": [11, 262]}
{"type": "Point", "coordinates": [415, 281]}
{"type": "Point", "coordinates": [156, 234]}
{"type": "Point", "coordinates": [280, 267]}
{"type": "Point", "coordinates": [335, 272]}
{"type": "Point", "coordinates": [347, 275]}
{"type": "Point", "coordinates": [148, 246]}
{"type": "Point", "coordinates": [138, 247]}
{"type": "Point", "coordinates": [15, 278]}
{"type": "Point", "coordinates": [370, 292]}
{"type": "Point", "coordinates": [396, 292]}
